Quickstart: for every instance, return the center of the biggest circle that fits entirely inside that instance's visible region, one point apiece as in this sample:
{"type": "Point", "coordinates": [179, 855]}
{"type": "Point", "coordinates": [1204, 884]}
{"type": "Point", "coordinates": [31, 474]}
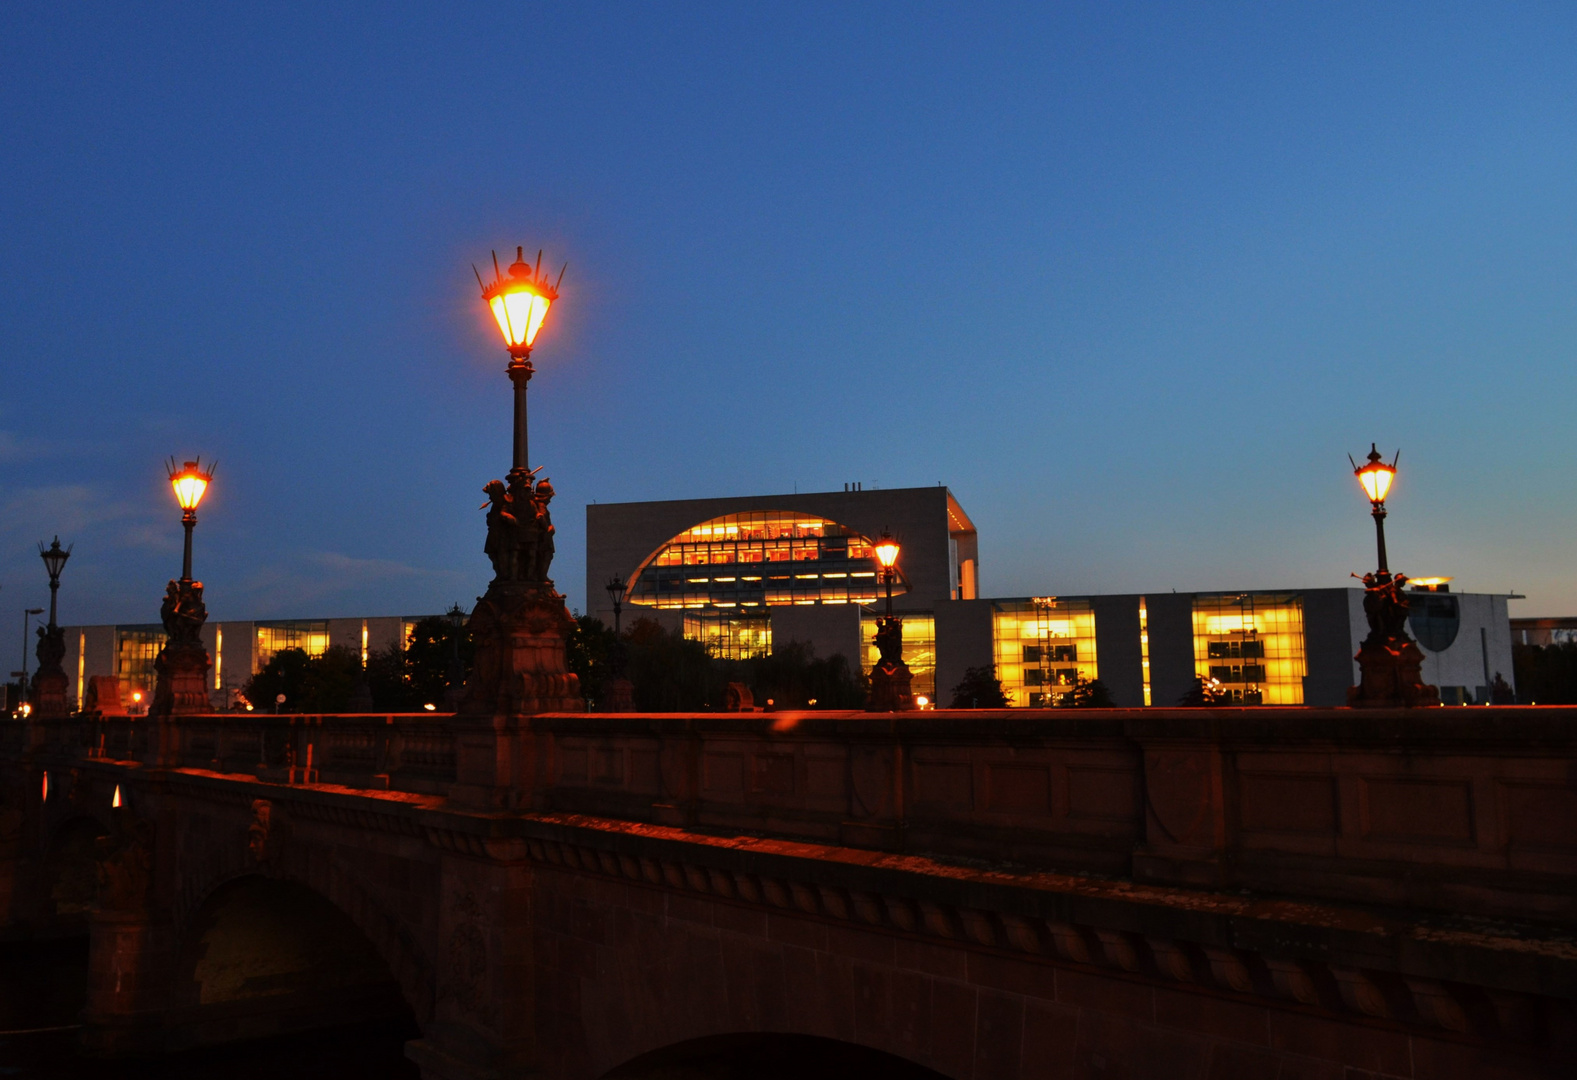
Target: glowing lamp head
{"type": "Point", "coordinates": [520, 300]}
{"type": "Point", "coordinates": [886, 550]}
{"type": "Point", "coordinates": [1375, 475]}
{"type": "Point", "coordinates": [190, 482]}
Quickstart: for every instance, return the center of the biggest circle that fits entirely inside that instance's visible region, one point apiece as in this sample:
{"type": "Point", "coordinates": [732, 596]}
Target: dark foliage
{"type": "Point", "coordinates": [405, 679]}
{"type": "Point", "coordinates": [1203, 693]}
{"type": "Point", "coordinates": [313, 684]}
{"type": "Point", "coordinates": [1546, 674]}
{"type": "Point", "coordinates": [670, 673]}
{"type": "Point", "coordinates": [980, 689]}
{"type": "Point", "coordinates": [1088, 694]}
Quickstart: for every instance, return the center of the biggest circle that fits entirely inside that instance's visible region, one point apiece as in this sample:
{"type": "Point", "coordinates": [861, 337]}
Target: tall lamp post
{"type": "Point", "coordinates": [618, 695]}
{"type": "Point", "coordinates": [27, 616]}
{"type": "Point", "coordinates": [520, 627]}
{"type": "Point", "coordinates": [890, 677]}
{"type": "Point", "coordinates": [1390, 663]}
{"type": "Point", "coordinates": [181, 668]}
{"type": "Point", "coordinates": [49, 685]}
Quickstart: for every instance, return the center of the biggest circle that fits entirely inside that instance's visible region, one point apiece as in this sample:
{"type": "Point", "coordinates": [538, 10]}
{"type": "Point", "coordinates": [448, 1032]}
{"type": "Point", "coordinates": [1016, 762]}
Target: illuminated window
{"type": "Point", "coordinates": [135, 650]}
{"type": "Point", "coordinates": [273, 637]}
{"type": "Point", "coordinates": [1252, 643]}
{"type": "Point", "coordinates": [771, 558]}
{"type": "Point", "coordinates": [82, 664]}
{"type": "Point", "coordinates": [1042, 648]}
{"type": "Point", "coordinates": [1144, 646]}
{"type": "Point", "coordinates": [730, 637]}
{"type": "Point", "coordinates": [219, 656]}
{"type": "Point", "coordinates": [919, 649]}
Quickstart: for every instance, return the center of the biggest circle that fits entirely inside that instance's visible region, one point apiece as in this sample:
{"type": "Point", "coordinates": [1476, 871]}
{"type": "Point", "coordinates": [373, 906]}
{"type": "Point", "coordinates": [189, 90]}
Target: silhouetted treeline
{"type": "Point", "coordinates": [1546, 674]}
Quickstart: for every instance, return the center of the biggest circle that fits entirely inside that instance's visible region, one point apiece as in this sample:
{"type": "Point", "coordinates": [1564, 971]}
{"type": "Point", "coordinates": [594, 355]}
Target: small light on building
{"type": "Point", "coordinates": [921, 701]}
{"type": "Point", "coordinates": [45, 794]}
{"type": "Point", "coordinates": [430, 707]}
{"type": "Point", "coordinates": [115, 802]}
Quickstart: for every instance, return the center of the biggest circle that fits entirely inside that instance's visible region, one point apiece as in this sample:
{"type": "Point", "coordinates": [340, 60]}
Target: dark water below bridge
{"type": "Point", "coordinates": [42, 985]}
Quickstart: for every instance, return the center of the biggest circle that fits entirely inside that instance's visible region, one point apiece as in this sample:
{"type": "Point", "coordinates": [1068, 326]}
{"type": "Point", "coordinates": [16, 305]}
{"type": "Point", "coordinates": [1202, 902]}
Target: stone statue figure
{"type": "Point", "coordinates": [545, 530]}
{"type": "Point", "coordinates": [1385, 605]}
{"type": "Point", "coordinates": [519, 528]}
{"type": "Point", "coordinates": [889, 642]}
{"type": "Point", "coordinates": [503, 530]}
{"type": "Point", "coordinates": [182, 612]}
{"type": "Point", "coordinates": [51, 648]}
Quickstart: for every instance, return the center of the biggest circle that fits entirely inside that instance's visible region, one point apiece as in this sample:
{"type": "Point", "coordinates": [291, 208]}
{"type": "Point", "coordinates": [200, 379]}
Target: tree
{"type": "Point", "coordinates": [1088, 694]}
{"type": "Point", "coordinates": [314, 684]}
{"type": "Point", "coordinates": [1546, 674]}
{"type": "Point", "coordinates": [417, 672]}
{"type": "Point", "coordinates": [981, 689]}
{"type": "Point", "coordinates": [792, 677]}
{"type": "Point", "coordinates": [589, 654]}
{"type": "Point", "coordinates": [670, 673]}
{"type": "Point", "coordinates": [1203, 693]}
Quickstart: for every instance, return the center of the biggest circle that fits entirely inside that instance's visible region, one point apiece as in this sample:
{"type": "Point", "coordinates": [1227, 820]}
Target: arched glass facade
{"type": "Point", "coordinates": [761, 559]}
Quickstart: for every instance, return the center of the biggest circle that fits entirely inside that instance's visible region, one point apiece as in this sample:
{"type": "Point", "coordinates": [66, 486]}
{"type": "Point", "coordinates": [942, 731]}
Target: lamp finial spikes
{"type": "Point", "coordinates": [497, 273]}
{"type": "Point", "coordinates": [520, 253]}
{"type": "Point", "coordinates": [538, 271]}
{"type": "Point", "coordinates": [560, 281]}
{"type": "Point", "coordinates": [478, 274]}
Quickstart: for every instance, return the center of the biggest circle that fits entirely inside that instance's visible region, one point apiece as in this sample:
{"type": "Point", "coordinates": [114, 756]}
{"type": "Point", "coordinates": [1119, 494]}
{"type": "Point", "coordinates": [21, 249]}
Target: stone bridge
{"type": "Point", "coordinates": [1076, 893]}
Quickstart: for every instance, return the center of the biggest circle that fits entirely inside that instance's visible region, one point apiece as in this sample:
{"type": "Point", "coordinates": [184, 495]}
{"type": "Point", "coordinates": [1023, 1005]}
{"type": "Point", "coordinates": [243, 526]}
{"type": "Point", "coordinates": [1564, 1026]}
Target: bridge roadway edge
{"type": "Point", "coordinates": [1365, 967]}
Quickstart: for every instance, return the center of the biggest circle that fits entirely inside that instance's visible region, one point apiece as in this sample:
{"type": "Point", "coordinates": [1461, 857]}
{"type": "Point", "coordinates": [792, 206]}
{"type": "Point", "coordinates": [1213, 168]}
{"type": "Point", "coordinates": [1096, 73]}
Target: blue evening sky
{"type": "Point", "coordinates": [1131, 279]}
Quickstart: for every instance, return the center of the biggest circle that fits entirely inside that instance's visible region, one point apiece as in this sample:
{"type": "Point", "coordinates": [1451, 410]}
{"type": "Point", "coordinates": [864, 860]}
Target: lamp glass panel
{"type": "Point", "coordinates": [525, 311]}
{"type": "Point", "coordinates": [1376, 480]}
{"type": "Point", "coordinates": [189, 489]}
{"type": "Point", "coordinates": [502, 315]}
{"type": "Point", "coordinates": [887, 553]}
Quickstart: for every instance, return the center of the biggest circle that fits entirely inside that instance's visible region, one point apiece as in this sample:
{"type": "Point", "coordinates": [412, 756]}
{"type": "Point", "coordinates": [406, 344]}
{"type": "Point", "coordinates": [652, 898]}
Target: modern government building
{"type": "Point", "coordinates": [745, 574]}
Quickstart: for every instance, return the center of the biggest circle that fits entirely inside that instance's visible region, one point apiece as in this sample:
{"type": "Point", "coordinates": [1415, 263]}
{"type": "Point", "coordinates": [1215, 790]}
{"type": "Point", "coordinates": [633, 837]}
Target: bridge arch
{"type": "Point", "coordinates": [263, 954]}
{"type": "Point", "coordinates": [320, 873]}
{"type": "Point", "coordinates": [769, 1056]}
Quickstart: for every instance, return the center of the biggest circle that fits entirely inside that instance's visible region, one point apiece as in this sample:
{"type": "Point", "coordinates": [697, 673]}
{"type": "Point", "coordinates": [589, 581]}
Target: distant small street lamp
{"type": "Point", "coordinates": [190, 483]}
{"type": "Point", "coordinates": [890, 677]}
{"type": "Point", "coordinates": [616, 587]}
{"type": "Point", "coordinates": [54, 558]}
{"type": "Point", "coordinates": [49, 684]}
{"type": "Point", "coordinates": [519, 303]}
{"type": "Point", "coordinates": [1376, 477]}
{"type": "Point", "coordinates": [27, 615]}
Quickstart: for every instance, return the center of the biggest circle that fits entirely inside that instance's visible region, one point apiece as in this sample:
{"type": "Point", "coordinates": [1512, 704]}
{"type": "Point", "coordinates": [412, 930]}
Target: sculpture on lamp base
{"type": "Point", "coordinates": [181, 668]}
{"type": "Point", "coordinates": [890, 678]}
{"type": "Point", "coordinates": [521, 626]}
{"type": "Point", "coordinates": [1390, 663]}
{"type": "Point", "coordinates": [48, 693]}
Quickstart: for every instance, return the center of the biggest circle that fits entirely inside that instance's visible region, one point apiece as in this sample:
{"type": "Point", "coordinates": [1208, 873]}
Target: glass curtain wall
{"type": "Point", "coordinates": [1252, 644]}
{"type": "Point", "coordinates": [761, 559]}
{"type": "Point", "coordinates": [919, 649]}
{"type": "Point", "coordinates": [730, 637]}
{"type": "Point", "coordinates": [272, 637]}
{"type": "Point", "coordinates": [1042, 646]}
{"type": "Point", "coordinates": [135, 650]}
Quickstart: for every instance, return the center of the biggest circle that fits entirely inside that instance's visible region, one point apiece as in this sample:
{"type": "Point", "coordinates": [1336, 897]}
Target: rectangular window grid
{"type": "Point", "coordinates": [273, 637]}
{"type": "Point", "coordinates": [1252, 644]}
{"type": "Point", "coordinates": [1042, 647]}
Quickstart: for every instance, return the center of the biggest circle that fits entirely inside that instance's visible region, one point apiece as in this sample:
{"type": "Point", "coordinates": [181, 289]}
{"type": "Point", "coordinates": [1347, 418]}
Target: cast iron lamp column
{"type": "Point", "coordinates": [1390, 663]}
{"type": "Point", "coordinates": [50, 683]}
{"type": "Point", "coordinates": [1376, 477]}
{"type": "Point", "coordinates": [181, 668]}
{"type": "Point", "coordinates": [890, 678]}
{"type": "Point", "coordinates": [519, 303]}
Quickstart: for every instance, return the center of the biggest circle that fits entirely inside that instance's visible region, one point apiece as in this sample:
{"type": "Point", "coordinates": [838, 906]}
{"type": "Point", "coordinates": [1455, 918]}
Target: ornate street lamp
{"type": "Point", "coordinates": [1390, 663]}
{"type": "Point", "coordinates": [181, 668]}
{"type": "Point", "coordinates": [616, 587]}
{"type": "Point", "coordinates": [887, 556]}
{"type": "Point", "coordinates": [49, 685]}
{"type": "Point", "coordinates": [1375, 476]}
{"type": "Point", "coordinates": [520, 628]}
{"type": "Point", "coordinates": [190, 483]}
{"type": "Point", "coordinates": [519, 303]}
{"type": "Point", "coordinates": [890, 678]}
